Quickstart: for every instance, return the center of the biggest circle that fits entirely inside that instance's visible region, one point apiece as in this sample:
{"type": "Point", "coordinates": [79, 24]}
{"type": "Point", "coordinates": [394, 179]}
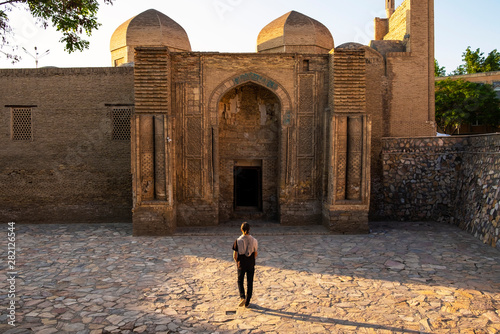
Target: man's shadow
{"type": "Point", "coordinates": [324, 320]}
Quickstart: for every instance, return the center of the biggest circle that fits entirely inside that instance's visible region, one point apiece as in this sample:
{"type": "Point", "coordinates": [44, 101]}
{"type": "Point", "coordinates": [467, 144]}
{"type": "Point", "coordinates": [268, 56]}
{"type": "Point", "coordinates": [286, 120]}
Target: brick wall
{"type": "Point", "coordinates": [409, 89]}
{"type": "Point", "coordinates": [72, 171]}
{"type": "Point", "coordinates": [377, 98]}
{"type": "Point", "coordinates": [398, 22]}
{"type": "Point", "coordinates": [451, 179]}
{"type": "Point", "coordinates": [486, 77]}
{"type": "Point", "coordinates": [410, 74]}
{"type": "Point", "coordinates": [205, 158]}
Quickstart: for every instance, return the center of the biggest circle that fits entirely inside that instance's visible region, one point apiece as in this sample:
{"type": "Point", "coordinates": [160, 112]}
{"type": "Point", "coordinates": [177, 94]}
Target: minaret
{"type": "Point", "coordinates": [389, 8]}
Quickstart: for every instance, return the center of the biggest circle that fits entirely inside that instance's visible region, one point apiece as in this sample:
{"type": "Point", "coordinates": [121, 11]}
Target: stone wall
{"type": "Point", "coordinates": [478, 200]}
{"type": "Point", "coordinates": [74, 168]}
{"type": "Point", "coordinates": [451, 179]}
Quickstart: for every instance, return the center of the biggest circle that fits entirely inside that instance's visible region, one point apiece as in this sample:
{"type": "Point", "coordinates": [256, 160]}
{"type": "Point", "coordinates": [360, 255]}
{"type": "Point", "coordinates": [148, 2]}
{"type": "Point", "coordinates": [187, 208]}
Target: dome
{"type": "Point", "coordinates": [370, 52]}
{"type": "Point", "coordinates": [351, 46]}
{"type": "Point", "coordinates": [295, 32]}
{"type": "Point", "coordinates": [150, 28]}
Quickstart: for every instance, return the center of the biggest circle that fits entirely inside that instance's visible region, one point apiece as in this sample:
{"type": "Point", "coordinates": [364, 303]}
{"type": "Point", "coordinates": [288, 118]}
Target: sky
{"type": "Point", "coordinates": [233, 26]}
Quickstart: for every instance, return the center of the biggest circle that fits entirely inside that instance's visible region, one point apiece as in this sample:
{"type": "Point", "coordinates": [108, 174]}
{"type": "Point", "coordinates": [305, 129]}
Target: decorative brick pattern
{"type": "Point", "coordinates": [160, 152]}
{"type": "Point", "coordinates": [306, 93]}
{"type": "Point", "coordinates": [147, 158]}
{"type": "Point", "coordinates": [354, 156]}
{"type": "Point", "coordinates": [194, 178]}
{"type": "Point", "coordinates": [152, 80]}
{"type": "Point", "coordinates": [306, 170]}
{"type": "Point", "coordinates": [153, 205]}
{"type": "Point", "coordinates": [193, 136]}
{"type": "Point", "coordinates": [306, 144]}
{"type": "Point", "coordinates": [340, 145]}
{"type": "Point", "coordinates": [349, 82]}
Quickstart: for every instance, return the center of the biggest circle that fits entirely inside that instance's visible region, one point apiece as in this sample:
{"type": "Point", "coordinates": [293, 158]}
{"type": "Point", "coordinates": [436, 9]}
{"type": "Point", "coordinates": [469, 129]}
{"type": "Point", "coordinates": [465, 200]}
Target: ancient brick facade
{"type": "Point", "coordinates": [229, 117]}
{"type": "Point", "coordinates": [292, 133]}
{"type": "Point", "coordinates": [75, 167]}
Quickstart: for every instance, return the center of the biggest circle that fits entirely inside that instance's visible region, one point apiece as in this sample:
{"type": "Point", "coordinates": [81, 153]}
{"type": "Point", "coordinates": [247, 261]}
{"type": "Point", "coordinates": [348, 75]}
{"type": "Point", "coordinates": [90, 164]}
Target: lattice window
{"type": "Point", "coordinates": [120, 119]}
{"type": "Point", "coordinates": [22, 127]}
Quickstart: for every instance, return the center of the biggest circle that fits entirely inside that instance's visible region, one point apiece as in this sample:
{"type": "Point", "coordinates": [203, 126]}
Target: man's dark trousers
{"type": "Point", "coordinates": [241, 276]}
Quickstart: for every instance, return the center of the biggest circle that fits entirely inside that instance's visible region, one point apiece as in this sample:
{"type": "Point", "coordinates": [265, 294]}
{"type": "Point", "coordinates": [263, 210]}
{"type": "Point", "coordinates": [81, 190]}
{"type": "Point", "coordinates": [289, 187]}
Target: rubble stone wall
{"type": "Point", "coordinates": [451, 179]}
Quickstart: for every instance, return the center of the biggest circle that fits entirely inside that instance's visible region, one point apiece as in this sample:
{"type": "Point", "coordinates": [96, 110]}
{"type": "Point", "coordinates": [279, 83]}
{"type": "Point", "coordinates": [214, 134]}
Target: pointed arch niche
{"type": "Point", "coordinates": [250, 116]}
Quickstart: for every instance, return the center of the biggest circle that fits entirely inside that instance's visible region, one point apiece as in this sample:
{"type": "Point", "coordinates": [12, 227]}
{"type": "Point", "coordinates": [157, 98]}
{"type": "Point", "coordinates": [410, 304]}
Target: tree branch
{"type": "Point", "coordinates": [10, 1]}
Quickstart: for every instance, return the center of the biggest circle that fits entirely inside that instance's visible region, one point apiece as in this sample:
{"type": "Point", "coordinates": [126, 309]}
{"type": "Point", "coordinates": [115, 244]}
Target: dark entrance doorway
{"type": "Point", "coordinates": [248, 188]}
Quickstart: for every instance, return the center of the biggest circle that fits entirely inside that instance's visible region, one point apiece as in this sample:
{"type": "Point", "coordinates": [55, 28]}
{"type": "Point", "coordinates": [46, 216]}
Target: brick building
{"type": "Point", "coordinates": [491, 78]}
{"type": "Point", "coordinates": [291, 133]}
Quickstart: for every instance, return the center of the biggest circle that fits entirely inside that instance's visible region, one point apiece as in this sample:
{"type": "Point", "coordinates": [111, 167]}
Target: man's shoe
{"type": "Point", "coordinates": [242, 302]}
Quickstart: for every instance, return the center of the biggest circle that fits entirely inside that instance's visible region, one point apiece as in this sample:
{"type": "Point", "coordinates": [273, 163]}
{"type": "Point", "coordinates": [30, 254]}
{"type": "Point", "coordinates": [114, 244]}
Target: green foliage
{"type": "Point", "coordinates": [460, 102]}
{"type": "Point", "coordinates": [475, 62]}
{"type": "Point", "coordinates": [439, 71]}
{"type": "Point", "coordinates": [72, 18]}
{"type": "Point", "coordinates": [492, 62]}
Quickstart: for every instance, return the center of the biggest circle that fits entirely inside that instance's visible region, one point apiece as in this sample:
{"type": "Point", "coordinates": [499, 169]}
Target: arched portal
{"type": "Point", "coordinates": [249, 151]}
{"type": "Point", "coordinates": [271, 167]}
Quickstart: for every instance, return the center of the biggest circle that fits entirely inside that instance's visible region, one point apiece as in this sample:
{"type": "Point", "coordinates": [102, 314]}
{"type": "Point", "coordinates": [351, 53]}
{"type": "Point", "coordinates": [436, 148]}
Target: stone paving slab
{"type": "Point", "coordinates": [261, 228]}
{"type": "Point", "coordinates": [401, 278]}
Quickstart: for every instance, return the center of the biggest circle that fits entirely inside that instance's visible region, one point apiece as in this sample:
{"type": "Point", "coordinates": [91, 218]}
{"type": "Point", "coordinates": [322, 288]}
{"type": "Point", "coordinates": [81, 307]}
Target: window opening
{"type": "Point", "coordinates": [306, 65]}
{"type": "Point", "coordinates": [120, 119]}
{"type": "Point", "coordinates": [22, 127]}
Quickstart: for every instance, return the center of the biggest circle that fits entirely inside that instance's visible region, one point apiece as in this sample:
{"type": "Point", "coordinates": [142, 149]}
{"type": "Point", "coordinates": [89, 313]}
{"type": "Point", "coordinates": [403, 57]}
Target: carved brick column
{"type": "Point", "coordinates": [160, 163]}
{"type": "Point", "coordinates": [152, 153]}
{"type": "Point", "coordinates": [346, 206]}
{"type": "Point", "coordinates": [355, 130]}
{"type": "Point", "coordinates": [147, 157]}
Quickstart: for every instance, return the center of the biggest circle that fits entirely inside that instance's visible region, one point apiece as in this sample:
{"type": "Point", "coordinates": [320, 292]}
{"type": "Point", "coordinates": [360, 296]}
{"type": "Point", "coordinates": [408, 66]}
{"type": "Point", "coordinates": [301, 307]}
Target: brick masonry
{"type": "Point", "coordinates": [398, 23]}
{"type": "Point", "coordinates": [451, 179]}
{"type": "Point", "coordinates": [306, 123]}
{"type": "Point", "coordinates": [72, 170]}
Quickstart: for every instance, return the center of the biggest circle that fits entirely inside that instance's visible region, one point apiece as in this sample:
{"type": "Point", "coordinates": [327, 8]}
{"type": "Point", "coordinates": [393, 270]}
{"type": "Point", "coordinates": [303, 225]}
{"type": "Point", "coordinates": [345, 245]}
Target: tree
{"type": "Point", "coordinates": [73, 18]}
{"type": "Point", "coordinates": [460, 102]}
{"type": "Point", "coordinates": [475, 62]}
{"type": "Point", "coordinates": [492, 62]}
{"type": "Point", "coordinates": [439, 71]}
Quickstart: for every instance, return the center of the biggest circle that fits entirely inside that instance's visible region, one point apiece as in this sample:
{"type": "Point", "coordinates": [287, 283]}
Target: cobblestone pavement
{"type": "Point", "coordinates": [401, 278]}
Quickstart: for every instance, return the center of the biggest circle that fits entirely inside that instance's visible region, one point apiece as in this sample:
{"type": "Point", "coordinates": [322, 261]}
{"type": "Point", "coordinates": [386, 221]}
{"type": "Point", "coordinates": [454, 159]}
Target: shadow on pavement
{"type": "Point", "coordinates": [323, 320]}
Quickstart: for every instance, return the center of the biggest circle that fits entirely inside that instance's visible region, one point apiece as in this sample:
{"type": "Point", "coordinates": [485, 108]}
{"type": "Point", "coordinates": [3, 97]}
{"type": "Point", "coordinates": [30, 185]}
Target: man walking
{"type": "Point", "coordinates": [245, 253]}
